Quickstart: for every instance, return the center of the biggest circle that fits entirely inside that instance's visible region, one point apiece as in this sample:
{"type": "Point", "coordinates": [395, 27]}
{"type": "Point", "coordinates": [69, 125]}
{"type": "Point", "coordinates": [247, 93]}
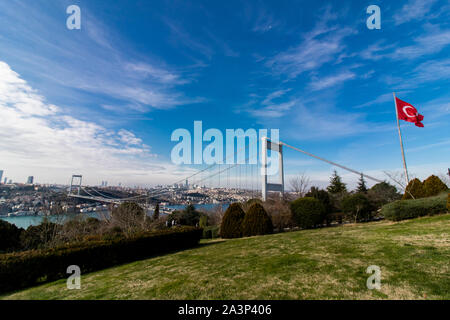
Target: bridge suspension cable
{"type": "Point", "coordinates": [330, 162]}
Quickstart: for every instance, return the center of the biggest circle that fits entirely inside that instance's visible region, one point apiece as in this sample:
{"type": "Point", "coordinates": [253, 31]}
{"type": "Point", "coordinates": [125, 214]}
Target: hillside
{"type": "Point", "coordinates": [327, 263]}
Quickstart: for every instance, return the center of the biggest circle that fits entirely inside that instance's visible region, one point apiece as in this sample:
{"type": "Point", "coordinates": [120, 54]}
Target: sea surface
{"type": "Point", "coordinates": [26, 221]}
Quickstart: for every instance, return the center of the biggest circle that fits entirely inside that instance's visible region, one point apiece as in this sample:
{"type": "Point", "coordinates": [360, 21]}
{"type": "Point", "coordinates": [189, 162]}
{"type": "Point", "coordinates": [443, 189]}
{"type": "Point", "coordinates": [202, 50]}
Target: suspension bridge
{"type": "Point", "coordinates": [223, 181]}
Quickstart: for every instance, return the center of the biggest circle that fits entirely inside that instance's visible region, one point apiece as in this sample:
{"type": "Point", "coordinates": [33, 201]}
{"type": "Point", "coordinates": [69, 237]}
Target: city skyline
{"type": "Point", "coordinates": [103, 101]}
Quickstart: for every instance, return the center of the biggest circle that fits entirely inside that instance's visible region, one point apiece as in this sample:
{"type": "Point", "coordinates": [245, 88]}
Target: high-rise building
{"type": "Point", "coordinates": [30, 180]}
{"type": "Point", "coordinates": [6, 179]}
{"type": "Point", "coordinates": [1, 175]}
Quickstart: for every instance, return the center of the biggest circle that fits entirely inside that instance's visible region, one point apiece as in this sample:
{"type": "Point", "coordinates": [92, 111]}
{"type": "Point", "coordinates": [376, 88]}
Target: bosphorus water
{"type": "Point", "coordinates": [34, 220]}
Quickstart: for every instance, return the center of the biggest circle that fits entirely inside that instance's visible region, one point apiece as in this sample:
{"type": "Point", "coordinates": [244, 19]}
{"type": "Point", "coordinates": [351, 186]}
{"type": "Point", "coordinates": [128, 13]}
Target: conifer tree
{"type": "Point", "coordinates": [156, 212]}
{"type": "Point", "coordinates": [361, 185]}
{"type": "Point", "coordinates": [336, 184]}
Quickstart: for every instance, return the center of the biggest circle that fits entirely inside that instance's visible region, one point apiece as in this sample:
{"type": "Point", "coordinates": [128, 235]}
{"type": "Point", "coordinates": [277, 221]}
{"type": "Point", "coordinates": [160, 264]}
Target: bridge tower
{"type": "Point", "coordinates": [78, 179]}
{"type": "Point", "coordinates": [266, 187]}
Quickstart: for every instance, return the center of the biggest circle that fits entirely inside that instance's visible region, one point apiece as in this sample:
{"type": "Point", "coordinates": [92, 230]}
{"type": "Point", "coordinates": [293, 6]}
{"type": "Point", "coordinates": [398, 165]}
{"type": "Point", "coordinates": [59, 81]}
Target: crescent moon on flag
{"type": "Point", "coordinates": [407, 114]}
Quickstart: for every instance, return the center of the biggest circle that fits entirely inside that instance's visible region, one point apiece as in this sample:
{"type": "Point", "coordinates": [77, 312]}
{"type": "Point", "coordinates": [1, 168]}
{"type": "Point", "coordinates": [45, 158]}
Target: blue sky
{"type": "Point", "coordinates": [104, 100]}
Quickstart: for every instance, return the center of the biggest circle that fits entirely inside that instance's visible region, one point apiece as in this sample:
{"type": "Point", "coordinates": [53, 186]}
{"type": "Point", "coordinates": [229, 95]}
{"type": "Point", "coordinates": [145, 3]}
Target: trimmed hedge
{"type": "Point", "coordinates": [28, 268]}
{"type": "Point", "coordinates": [231, 226]}
{"type": "Point", "coordinates": [414, 190]}
{"type": "Point", "coordinates": [256, 221]}
{"type": "Point", "coordinates": [307, 212]}
{"type": "Point", "coordinates": [433, 186]}
{"type": "Point", "coordinates": [408, 209]}
{"type": "Point", "coordinates": [448, 202]}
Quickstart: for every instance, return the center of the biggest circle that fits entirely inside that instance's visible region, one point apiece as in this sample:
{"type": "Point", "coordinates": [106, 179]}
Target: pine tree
{"type": "Point", "coordinates": [361, 185]}
{"type": "Point", "coordinates": [156, 212]}
{"type": "Point", "coordinates": [336, 184]}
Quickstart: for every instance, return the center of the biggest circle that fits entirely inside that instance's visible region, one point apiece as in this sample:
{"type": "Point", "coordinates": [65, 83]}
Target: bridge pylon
{"type": "Point", "coordinates": [78, 178]}
{"type": "Point", "coordinates": [266, 187]}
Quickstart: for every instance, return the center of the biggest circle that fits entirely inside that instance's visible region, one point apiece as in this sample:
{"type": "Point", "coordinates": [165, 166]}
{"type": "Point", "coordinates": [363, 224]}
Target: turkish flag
{"type": "Point", "coordinates": [407, 112]}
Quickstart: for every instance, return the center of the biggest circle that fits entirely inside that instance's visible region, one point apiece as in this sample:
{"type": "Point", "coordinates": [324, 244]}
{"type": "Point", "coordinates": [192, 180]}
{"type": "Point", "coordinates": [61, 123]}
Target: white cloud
{"type": "Point", "coordinates": [432, 41]}
{"type": "Point", "coordinates": [95, 59]}
{"type": "Point", "coordinates": [312, 53]}
{"type": "Point", "coordinates": [425, 72]}
{"type": "Point", "coordinates": [331, 81]}
{"type": "Point", "coordinates": [129, 137]}
{"type": "Point", "coordinates": [36, 138]}
{"type": "Point", "coordinates": [275, 95]}
{"type": "Point", "coordinates": [379, 100]}
{"type": "Point", "coordinates": [274, 110]}
{"type": "Point", "coordinates": [413, 10]}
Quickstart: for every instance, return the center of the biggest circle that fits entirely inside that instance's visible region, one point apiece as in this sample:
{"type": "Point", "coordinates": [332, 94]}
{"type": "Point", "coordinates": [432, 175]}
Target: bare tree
{"type": "Point", "coordinates": [399, 179]}
{"type": "Point", "coordinates": [300, 184]}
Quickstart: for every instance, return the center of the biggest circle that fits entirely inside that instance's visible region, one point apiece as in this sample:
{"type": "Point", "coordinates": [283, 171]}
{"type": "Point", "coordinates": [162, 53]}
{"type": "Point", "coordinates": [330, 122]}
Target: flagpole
{"type": "Point", "coordinates": [401, 142]}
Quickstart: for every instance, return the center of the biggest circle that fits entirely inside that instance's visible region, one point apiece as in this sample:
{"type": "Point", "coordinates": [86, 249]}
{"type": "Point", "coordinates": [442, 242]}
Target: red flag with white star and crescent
{"type": "Point", "coordinates": [407, 112]}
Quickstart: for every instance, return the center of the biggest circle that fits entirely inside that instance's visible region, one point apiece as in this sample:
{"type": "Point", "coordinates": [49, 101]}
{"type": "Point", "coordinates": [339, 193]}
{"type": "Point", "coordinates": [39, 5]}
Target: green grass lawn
{"type": "Point", "coordinates": [329, 263]}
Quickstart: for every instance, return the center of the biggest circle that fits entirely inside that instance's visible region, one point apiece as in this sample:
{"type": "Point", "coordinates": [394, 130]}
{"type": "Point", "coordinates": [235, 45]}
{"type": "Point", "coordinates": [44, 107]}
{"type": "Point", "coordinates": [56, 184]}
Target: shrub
{"type": "Point", "coordinates": [307, 212]}
{"type": "Point", "coordinates": [27, 268]}
{"type": "Point", "coordinates": [382, 193]}
{"type": "Point", "coordinates": [280, 213]}
{"type": "Point", "coordinates": [448, 202]}
{"type": "Point", "coordinates": [210, 232]}
{"type": "Point", "coordinates": [188, 217]}
{"type": "Point", "coordinates": [246, 205]}
{"type": "Point", "coordinates": [325, 199]}
{"type": "Point", "coordinates": [129, 216]}
{"type": "Point", "coordinates": [203, 221]}
{"type": "Point", "coordinates": [408, 209]}
{"type": "Point", "coordinates": [357, 206]}
{"type": "Point", "coordinates": [9, 236]}
{"type": "Point", "coordinates": [256, 221]}
{"type": "Point", "coordinates": [231, 226]}
{"type": "Point", "coordinates": [414, 190]}
{"type": "Point", "coordinates": [432, 186]}
{"type": "Point", "coordinates": [40, 236]}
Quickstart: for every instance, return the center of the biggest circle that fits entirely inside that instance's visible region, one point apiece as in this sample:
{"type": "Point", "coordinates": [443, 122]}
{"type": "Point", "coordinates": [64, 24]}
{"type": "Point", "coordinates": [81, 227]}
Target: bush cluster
{"type": "Point", "coordinates": [187, 217]}
{"type": "Point", "coordinates": [27, 268]}
{"type": "Point", "coordinates": [307, 212]}
{"type": "Point", "coordinates": [414, 190]}
{"type": "Point", "coordinates": [408, 209]}
{"type": "Point", "coordinates": [231, 226]}
{"type": "Point", "coordinates": [357, 207]}
{"type": "Point", "coordinates": [280, 213]}
{"type": "Point", "coordinates": [256, 221]}
{"type": "Point", "coordinates": [237, 223]}
{"type": "Point", "coordinates": [210, 232]}
{"type": "Point", "coordinates": [448, 202]}
{"type": "Point", "coordinates": [324, 197]}
{"type": "Point", "coordinates": [433, 186]}
{"type": "Point", "coordinates": [9, 236]}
